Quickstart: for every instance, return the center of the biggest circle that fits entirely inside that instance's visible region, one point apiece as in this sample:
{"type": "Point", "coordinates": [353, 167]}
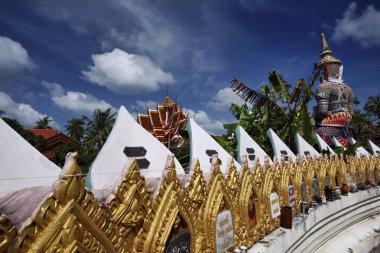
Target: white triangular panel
{"type": "Point", "coordinates": [323, 145]}
{"type": "Point", "coordinates": [337, 143]}
{"type": "Point", "coordinates": [360, 150]}
{"type": "Point", "coordinates": [304, 148]}
{"type": "Point", "coordinates": [247, 146]}
{"type": "Point", "coordinates": [375, 149]}
{"type": "Point", "coordinates": [203, 146]}
{"type": "Point", "coordinates": [21, 165]}
{"type": "Point", "coordinates": [279, 147]}
{"type": "Point", "coordinates": [127, 133]}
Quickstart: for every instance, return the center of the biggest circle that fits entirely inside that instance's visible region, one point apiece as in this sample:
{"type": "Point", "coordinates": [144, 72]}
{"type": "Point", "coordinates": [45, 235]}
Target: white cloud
{"type": "Point", "coordinates": [204, 120]}
{"type": "Point", "coordinates": [141, 105]}
{"type": "Point", "coordinates": [55, 89]}
{"type": "Point", "coordinates": [122, 72]}
{"type": "Point", "coordinates": [364, 28]}
{"type": "Point", "coordinates": [14, 59]}
{"type": "Point", "coordinates": [75, 101]}
{"type": "Point", "coordinates": [223, 99]}
{"type": "Point", "coordinates": [24, 113]}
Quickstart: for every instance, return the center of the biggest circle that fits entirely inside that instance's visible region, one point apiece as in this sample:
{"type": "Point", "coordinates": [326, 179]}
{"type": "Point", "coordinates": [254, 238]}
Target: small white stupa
{"type": "Point", "coordinates": [304, 148]}
{"type": "Point", "coordinates": [247, 146]}
{"type": "Point", "coordinates": [128, 140]}
{"type": "Point", "coordinates": [203, 147]}
{"type": "Point", "coordinates": [375, 149]}
{"type": "Point", "coordinates": [279, 147]}
{"type": "Point", "coordinates": [323, 145]}
{"type": "Point", "coordinates": [21, 164]}
{"type": "Point", "coordinates": [360, 150]}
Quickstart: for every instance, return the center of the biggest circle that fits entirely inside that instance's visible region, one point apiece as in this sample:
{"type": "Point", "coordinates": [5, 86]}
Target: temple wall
{"type": "Point", "coordinates": [352, 222]}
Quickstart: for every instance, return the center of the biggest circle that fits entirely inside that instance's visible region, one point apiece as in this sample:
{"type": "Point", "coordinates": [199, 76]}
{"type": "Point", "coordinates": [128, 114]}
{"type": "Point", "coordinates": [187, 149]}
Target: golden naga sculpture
{"type": "Point", "coordinates": [131, 218]}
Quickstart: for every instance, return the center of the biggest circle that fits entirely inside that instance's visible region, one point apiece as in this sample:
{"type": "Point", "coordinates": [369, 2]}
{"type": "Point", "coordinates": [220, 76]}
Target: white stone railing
{"type": "Point", "coordinates": [350, 224]}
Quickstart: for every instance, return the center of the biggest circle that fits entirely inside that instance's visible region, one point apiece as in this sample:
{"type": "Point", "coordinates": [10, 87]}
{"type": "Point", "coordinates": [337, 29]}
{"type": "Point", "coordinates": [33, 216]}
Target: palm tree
{"type": "Point", "coordinates": [76, 128]}
{"type": "Point", "coordinates": [43, 123]}
{"type": "Point", "coordinates": [373, 106]}
{"type": "Point", "coordinates": [99, 127]}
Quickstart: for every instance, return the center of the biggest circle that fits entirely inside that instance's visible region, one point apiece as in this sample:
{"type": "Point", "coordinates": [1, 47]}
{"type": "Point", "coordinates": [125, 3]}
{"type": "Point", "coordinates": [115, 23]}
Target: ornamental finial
{"type": "Point", "coordinates": [325, 48]}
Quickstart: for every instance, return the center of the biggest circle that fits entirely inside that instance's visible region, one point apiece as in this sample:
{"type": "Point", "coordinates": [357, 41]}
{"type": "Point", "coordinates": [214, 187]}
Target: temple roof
{"type": "Point", "coordinates": [21, 164]}
{"type": "Point", "coordinates": [164, 122]}
{"type": "Point", "coordinates": [128, 140]}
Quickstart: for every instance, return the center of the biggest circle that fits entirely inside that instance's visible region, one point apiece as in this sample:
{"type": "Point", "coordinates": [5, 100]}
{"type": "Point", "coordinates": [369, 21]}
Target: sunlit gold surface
{"type": "Point", "coordinates": [71, 219]}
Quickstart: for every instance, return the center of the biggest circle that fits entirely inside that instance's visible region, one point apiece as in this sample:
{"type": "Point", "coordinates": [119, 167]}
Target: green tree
{"type": "Point", "coordinates": [372, 106]}
{"type": "Point", "coordinates": [76, 128]}
{"type": "Point", "coordinates": [99, 127]}
{"type": "Point", "coordinates": [276, 107]}
{"type": "Point", "coordinates": [36, 141]}
{"type": "Point", "coordinates": [43, 123]}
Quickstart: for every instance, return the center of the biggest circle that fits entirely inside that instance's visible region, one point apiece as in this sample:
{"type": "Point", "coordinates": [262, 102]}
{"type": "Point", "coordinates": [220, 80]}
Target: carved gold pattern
{"type": "Point", "coordinates": [71, 219]}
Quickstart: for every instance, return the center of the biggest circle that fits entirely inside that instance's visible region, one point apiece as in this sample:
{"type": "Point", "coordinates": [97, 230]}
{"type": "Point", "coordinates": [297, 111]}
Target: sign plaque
{"type": "Point", "coordinates": [180, 243]}
{"type": "Point", "coordinates": [315, 186]}
{"type": "Point", "coordinates": [304, 191]}
{"type": "Point", "coordinates": [292, 196]}
{"type": "Point", "coordinates": [275, 205]}
{"type": "Point", "coordinates": [224, 232]}
{"type": "Point", "coordinates": [348, 178]}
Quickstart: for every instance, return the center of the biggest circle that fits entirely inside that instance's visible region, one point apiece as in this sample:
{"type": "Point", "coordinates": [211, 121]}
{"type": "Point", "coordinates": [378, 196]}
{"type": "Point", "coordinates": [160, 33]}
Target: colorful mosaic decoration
{"type": "Point", "coordinates": [335, 101]}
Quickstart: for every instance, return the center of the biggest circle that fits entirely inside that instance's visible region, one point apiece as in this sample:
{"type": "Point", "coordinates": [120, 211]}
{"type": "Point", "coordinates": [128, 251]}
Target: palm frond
{"type": "Point", "coordinates": [253, 97]}
{"type": "Point", "coordinates": [247, 94]}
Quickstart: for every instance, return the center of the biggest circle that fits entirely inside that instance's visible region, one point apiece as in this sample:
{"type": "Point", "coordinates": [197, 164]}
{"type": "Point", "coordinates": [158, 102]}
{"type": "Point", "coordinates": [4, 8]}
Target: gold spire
{"type": "Point", "coordinates": [326, 53]}
{"type": "Point", "coordinates": [325, 48]}
{"type": "Point", "coordinates": [167, 102]}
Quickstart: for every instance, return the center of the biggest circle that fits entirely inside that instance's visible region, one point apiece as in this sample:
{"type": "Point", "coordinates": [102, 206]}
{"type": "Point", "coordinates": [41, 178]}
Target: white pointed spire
{"type": "Point", "coordinates": [323, 145]}
{"type": "Point", "coordinates": [129, 140]}
{"type": "Point", "coordinates": [203, 147]}
{"type": "Point", "coordinates": [21, 165]}
{"type": "Point", "coordinates": [247, 146]}
{"type": "Point", "coordinates": [304, 148]}
{"type": "Point", "coordinates": [337, 143]}
{"type": "Point", "coordinates": [279, 147]}
{"type": "Point", "coordinates": [360, 150]}
{"type": "Point", "coordinates": [375, 149]}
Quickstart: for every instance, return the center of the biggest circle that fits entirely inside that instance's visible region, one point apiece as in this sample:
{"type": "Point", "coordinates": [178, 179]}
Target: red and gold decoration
{"type": "Point", "coordinates": [164, 122]}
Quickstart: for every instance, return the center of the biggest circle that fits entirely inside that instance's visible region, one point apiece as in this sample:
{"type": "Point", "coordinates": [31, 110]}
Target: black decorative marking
{"type": "Point", "coordinates": [251, 157]}
{"type": "Point", "coordinates": [283, 152]}
{"type": "Point", "coordinates": [377, 152]}
{"type": "Point", "coordinates": [143, 163]}
{"type": "Point", "coordinates": [250, 151]}
{"type": "Point", "coordinates": [306, 153]}
{"type": "Point", "coordinates": [211, 152]}
{"type": "Point", "coordinates": [219, 161]}
{"type": "Point", "coordinates": [134, 151]}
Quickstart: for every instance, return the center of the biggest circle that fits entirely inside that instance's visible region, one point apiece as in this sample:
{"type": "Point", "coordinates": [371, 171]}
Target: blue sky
{"type": "Point", "coordinates": [67, 58]}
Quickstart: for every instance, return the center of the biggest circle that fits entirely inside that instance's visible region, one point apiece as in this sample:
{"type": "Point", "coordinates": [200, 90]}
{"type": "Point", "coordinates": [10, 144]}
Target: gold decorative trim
{"type": "Point", "coordinates": [71, 219]}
